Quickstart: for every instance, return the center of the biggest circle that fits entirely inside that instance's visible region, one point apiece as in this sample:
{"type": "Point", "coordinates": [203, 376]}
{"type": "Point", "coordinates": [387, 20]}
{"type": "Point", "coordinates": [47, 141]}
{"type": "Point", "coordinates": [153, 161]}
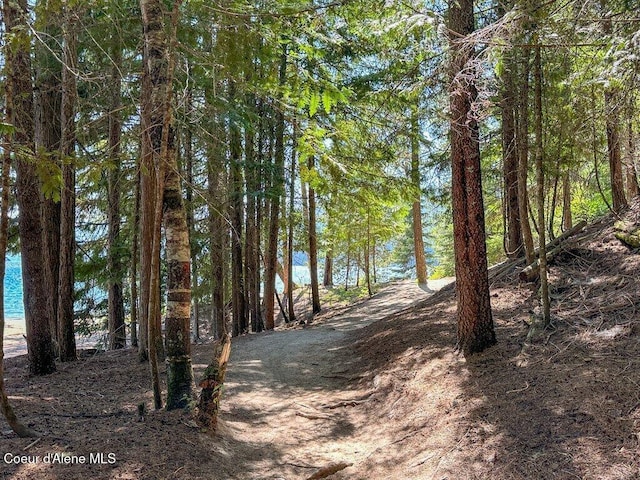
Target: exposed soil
{"type": "Point", "coordinates": [376, 388]}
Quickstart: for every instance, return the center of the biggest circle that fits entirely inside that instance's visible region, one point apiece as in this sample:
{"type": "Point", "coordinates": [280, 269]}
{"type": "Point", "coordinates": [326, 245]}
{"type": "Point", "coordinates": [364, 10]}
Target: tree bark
{"type": "Point", "coordinates": [633, 189]}
{"type": "Point", "coordinates": [292, 191]}
{"type": "Point", "coordinates": [367, 255]}
{"type": "Point", "coordinates": [178, 310]}
{"type": "Point", "coordinates": [475, 322]}
{"type": "Point", "coordinates": [513, 230]}
{"type": "Point", "coordinates": [117, 333]}
{"type": "Point", "coordinates": [211, 384]}
{"type": "Point", "coordinates": [313, 246]}
{"type": "Point", "coordinates": [5, 407]}
{"type": "Point", "coordinates": [544, 284]}
{"type": "Point", "coordinates": [252, 234]}
{"type": "Point", "coordinates": [418, 242]}
{"type": "Point", "coordinates": [155, 89]}
{"type": "Point", "coordinates": [147, 209]}
{"type": "Point", "coordinates": [614, 150]}
{"type": "Point", "coordinates": [159, 64]}
{"type": "Point", "coordinates": [189, 204]}
{"type": "Point", "coordinates": [274, 220]}
{"type": "Point", "coordinates": [135, 252]}
{"type": "Point", "coordinates": [65, 310]}
{"type": "Point", "coordinates": [217, 243]}
{"type": "Point", "coordinates": [567, 216]}
{"type": "Point", "coordinates": [522, 142]}
{"type": "Point", "coordinates": [19, 99]}
{"type": "Point", "coordinates": [328, 269]}
{"type": "Point", "coordinates": [348, 265]}
{"type": "Point", "coordinates": [236, 210]}
{"type": "Point", "coordinates": [48, 131]}
{"type": "Point", "coordinates": [177, 243]}
{"type": "Point", "coordinates": [612, 120]}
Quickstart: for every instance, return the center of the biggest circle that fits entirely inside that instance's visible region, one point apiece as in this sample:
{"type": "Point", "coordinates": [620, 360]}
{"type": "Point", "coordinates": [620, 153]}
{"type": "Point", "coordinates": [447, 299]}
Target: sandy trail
{"type": "Point", "coordinates": [283, 389]}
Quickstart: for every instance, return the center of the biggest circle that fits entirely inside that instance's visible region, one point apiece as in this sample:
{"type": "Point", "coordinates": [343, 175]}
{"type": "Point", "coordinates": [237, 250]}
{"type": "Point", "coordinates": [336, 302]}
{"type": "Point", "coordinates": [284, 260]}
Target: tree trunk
{"type": "Point", "coordinates": [147, 210]}
{"type": "Point", "coordinates": [65, 311]}
{"type": "Point", "coordinates": [544, 285]}
{"type": "Point", "coordinates": [633, 189]}
{"type": "Point", "coordinates": [117, 332]}
{"type": "Point", "coordinates": [48, 131]}
{"type": "Point", "coordinates": [271, 262]}
{"type": "Point", "coordinates": [508, 94]}
{"type": "Point", "coordinates": [189, 207]}
{"type": "Point", "coordinates": [612, 119]}
{"type": "Point", "coordinates": [178, 310]}
{"type": "Point", "coordinates": [346, 275]}
{"type": "Point", "coordinates": [135, 252]}
{"type": "Point", "coordinates": [367, 255]}
{"type": "Point", "coordinates": [613, 149]}
{"type": "Point", "coordinates": [154, 83]}
{"type": "Point", "coordinates": [252, 234]}
{"type": "Point", "coordinates": [153, 308]}
{"type": "Point", "coordinates": [550, 218]}
{"type": "Point", "coordinates": [160, 144]}
{"type": "Point", "coordinates": [260, 213]}
{"type": "Point", "coordinates": [313, 246]}
{"type": "Point", "coordinates": [274, 221]}
{"type": "Point", "coordinates": [475, 322]}
{"type": "Point", "coordinates": [522, 142]}
{"type": "Point", "coordinates": [217, 244]}
{"type": "Point", "coordinates": [328, 269]}
{"type": "Point", "coordinates": [236, 210]}
{"type": "Point", "coordinates": [567, 217]}
{"type": "Point", "coordinates": [177, 244]}
{"type": "Point", "coordinates": [418, 242]}
{"type": "Point", "coordinates": [5, 407]}
{"type": "Point", "coordinates": [373, 262]}
{"type": "Point", "coordinates": [292, 191]}
{"type": "Point", "coordinates": [19, 101]}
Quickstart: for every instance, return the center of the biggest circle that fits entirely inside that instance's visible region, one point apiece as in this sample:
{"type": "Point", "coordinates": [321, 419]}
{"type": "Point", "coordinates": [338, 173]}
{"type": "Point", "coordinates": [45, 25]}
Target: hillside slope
{"type": "Point", "coordinates": [376, 389]}
{"type": "Point", "coordinates": [565, 405]}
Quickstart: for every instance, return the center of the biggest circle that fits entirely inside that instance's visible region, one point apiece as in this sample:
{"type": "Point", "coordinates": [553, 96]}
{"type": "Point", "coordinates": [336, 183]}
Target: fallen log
{"type": "Point", "coordinates": [628, 233]}
{"type": "Point", "coordinates": [531, 271]}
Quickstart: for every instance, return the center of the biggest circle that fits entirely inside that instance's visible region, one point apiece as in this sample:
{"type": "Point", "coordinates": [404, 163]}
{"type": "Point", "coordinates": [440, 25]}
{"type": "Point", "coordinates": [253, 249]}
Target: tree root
{"type": "Point", "coordinates": [329, 470]}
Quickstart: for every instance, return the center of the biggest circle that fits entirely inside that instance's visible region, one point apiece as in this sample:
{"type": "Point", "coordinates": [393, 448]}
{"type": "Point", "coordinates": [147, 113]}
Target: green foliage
{"type": "Point", "coordinates": [355, 74]}
{"type": "Point", "coordinates": [6, 128]}
{"type": "Point", "coordinates": [444, 256]}
{"type": "Point", "coordinates": [338, 295]}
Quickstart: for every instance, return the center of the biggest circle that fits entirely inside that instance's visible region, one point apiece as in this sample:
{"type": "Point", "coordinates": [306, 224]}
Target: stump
{"type": "Point", "coordinates": [211, 384]}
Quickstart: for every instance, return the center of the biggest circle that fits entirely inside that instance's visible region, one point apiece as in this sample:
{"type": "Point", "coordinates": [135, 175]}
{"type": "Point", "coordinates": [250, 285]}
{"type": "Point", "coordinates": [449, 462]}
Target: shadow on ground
{"type": "Point", "coordinates": [562, 406]}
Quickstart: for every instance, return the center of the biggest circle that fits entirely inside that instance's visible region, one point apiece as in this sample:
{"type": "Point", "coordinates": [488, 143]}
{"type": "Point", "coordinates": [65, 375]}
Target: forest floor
{"type": "Point", "coordinates": [376, 387]}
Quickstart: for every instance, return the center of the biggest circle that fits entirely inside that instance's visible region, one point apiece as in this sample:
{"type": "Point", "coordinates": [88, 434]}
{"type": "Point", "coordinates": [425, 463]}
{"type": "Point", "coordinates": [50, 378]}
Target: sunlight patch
{"type": "Point", "coordinates": [610, 333]}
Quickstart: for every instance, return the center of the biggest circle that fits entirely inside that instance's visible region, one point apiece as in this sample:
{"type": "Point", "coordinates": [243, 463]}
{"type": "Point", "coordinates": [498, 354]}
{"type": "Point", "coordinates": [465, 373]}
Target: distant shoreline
{"type": "Point", "coordinates": [14, 341]}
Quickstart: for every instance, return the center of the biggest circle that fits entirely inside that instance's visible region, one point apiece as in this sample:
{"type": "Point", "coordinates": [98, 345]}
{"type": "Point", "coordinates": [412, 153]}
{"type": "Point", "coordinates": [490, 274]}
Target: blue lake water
{"type": "Point", "coordinates": [301, 276]}
{"type": "Point", "coordinates": [13, 306]}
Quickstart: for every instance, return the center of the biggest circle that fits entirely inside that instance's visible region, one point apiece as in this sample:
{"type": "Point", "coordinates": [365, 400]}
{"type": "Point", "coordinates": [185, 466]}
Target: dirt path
{"type": "Point", "coordinates": [287, 390]}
